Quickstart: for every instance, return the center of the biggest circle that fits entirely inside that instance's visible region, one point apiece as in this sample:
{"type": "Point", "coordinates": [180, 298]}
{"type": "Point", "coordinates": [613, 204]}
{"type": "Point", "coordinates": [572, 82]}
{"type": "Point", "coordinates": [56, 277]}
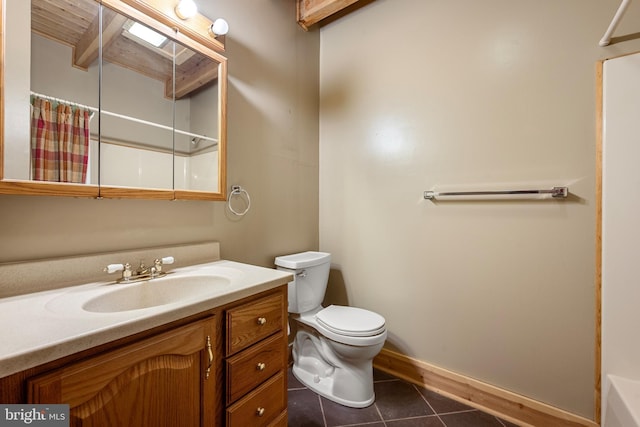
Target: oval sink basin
{"type": "Point", "coordinates": [156, 292]}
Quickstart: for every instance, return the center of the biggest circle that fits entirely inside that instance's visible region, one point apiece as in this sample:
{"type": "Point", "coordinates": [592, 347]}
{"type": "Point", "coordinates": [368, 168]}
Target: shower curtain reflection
{"type": "Point", "coordinates": [59, 141]}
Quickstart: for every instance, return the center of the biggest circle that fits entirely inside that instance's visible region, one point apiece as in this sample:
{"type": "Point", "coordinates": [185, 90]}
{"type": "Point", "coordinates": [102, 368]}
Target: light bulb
{"type": "Point", "coordinates": [186, 9]}
{"type": "Point", "coordinates": [219, 28]}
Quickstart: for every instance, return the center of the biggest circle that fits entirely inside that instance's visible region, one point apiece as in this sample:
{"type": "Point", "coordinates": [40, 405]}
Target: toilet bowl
{"type": "Point", "coordinates": [334, 347]}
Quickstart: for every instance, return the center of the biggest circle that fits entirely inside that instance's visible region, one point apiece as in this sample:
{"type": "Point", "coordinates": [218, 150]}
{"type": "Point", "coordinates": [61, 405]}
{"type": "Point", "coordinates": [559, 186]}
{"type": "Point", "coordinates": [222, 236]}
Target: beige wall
{"type": "Point", "coordinates": [273, 153]}
{"type": "Point", "coordinates": [418, 94]}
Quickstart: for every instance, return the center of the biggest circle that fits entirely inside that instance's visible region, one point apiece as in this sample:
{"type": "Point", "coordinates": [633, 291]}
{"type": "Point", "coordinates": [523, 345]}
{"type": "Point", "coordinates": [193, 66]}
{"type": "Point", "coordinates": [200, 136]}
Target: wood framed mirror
{"type": "Point", "coordinates": [105, 112]}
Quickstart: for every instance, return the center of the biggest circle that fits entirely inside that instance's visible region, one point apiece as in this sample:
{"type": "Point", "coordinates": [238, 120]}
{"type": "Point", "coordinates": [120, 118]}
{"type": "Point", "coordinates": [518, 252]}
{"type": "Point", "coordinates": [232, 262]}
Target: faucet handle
{"type": "Point", "coordinates": [125, 268]}
{"type": "Point", "coordinates": [112, 268]}
{"type": "Point", "coordinates": [159, 262]}
{"type": "Point", "coordinates": [167, 260]}
{"type": "Point", "coordinates": [127, 273]}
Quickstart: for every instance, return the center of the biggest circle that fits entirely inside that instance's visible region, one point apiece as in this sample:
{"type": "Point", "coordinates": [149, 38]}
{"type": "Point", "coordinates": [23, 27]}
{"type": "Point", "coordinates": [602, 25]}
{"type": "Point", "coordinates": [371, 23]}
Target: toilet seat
{"type": "Point", "coordinates": [369, 325]}
{"type": "Point", "coordinates": [311, 319]}
{"type": "Point", "coordinates": [351, 321]}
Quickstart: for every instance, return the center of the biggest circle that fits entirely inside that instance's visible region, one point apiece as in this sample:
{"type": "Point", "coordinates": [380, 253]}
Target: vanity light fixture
{"type": "Point", "coordinates": [220, 27]}
{"type": "Point", "coordinates": [186, 9]}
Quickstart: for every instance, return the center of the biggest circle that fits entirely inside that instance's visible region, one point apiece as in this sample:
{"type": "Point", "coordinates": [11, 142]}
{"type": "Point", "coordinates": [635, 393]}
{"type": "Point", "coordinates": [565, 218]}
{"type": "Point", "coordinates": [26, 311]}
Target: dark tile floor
{"type": "Point", "coordinates": [398, 404]}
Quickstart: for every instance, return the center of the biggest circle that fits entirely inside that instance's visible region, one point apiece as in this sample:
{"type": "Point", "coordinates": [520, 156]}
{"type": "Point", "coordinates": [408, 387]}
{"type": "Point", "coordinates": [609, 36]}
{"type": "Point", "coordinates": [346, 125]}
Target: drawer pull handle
{"type": "Point", "coordinates": [260, 366]}
{"type": "Point", "coordinates": [262, 320]}
{"type": "Point", "coordinates": [260, 411]}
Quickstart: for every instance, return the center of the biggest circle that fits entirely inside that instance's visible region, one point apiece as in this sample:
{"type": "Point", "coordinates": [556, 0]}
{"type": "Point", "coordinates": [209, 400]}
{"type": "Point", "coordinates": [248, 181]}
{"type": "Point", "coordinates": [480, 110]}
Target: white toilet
{"type": "Point", "coordinates": [334, 347]}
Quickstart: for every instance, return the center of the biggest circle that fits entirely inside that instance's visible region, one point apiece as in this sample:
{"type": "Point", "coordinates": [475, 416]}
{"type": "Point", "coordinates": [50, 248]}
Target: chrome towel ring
{"type": "Point", "coordinates": [236, 190]}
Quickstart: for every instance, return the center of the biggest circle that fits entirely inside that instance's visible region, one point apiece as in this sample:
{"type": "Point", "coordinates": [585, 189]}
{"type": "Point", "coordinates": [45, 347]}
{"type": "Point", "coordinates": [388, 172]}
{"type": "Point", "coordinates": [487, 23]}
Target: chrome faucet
{"type": "Point", "coordinates": [142, 269]}
{"type": "Point", "coordinates": [142, 273]}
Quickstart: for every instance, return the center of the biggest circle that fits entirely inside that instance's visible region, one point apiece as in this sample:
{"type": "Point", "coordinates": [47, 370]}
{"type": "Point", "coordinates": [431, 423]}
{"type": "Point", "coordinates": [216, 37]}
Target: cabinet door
{"type": "Point", "coordinates": [159, 381]}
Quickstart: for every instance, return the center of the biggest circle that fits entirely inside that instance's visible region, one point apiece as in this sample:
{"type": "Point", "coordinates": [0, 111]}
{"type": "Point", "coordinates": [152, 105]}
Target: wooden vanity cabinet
{"type": "Point", "coordinates": [256, 362]}
{"type": "Point", "coordinates": [159, 377]}
{"type": "Point", "coordinates": [160, 381]}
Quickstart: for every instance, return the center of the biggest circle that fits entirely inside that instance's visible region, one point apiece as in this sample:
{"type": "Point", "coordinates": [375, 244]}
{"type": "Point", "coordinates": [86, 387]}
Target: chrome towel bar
{"type": "Point", "coordinates": [555, 193]}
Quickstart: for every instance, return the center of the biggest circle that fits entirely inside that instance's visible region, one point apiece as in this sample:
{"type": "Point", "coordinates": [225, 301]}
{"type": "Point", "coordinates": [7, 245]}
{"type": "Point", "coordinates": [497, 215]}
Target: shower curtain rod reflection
{"type": "Point", "coordinates": [554, 193]}
{"type": "Point", "coordinates": [122, 116]}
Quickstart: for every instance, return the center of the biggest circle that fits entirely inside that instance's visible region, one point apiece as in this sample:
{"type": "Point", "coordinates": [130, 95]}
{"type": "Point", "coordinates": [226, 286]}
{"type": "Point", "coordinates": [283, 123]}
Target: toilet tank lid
{"type": "Point", "coordinates": [303, 260]}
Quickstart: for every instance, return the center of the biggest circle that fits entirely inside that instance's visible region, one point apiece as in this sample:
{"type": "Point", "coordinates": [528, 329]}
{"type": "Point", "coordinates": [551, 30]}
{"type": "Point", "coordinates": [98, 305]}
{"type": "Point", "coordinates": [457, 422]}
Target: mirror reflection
{"type": "Point", "coordinates": [136, 114]}
{"type": "Point", "coordinates": [47, 139]}
{"type": "Point", "coordinates": [197, 121]}
{"type": "Point", "coordinates": [152, 122]}
{"type": "Point", "coordinates": [64, 99]}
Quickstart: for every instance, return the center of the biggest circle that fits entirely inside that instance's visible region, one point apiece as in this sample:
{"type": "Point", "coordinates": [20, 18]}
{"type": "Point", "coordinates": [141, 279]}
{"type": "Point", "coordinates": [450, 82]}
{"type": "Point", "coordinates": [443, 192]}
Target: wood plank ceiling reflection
{"type": "Point", "coordinates": [74, 23]}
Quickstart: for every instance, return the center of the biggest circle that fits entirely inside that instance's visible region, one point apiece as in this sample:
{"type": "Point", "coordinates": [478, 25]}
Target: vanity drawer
{"type": "Point", "coordinates": [281, 421]}
{"type": "Point", "coordinates": [260, 407]}
{"type": "Point", "coordinates": [251, 322]}
{"type": "Point", "coordinates": [248, 369]}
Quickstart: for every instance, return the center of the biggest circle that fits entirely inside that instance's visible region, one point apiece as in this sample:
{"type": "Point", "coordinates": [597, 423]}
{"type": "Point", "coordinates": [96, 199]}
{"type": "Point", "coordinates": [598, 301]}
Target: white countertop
{"type": "Point", "coordinates": [44, 326]}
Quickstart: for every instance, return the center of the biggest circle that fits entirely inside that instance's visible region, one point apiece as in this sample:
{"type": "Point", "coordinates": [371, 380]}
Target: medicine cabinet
{"type": "Point", "coordinates": [123, 100]}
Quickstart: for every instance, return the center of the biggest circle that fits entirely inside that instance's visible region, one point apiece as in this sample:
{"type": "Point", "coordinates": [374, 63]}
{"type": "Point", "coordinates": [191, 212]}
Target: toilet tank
{"type": "Point", "coordinates": [310, 275]}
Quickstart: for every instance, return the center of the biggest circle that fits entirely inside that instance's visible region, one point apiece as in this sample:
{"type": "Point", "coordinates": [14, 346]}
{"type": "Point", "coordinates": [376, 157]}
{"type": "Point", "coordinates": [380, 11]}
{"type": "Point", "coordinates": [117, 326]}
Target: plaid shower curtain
{"type": "Point", "coordinates": [59, 142]}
